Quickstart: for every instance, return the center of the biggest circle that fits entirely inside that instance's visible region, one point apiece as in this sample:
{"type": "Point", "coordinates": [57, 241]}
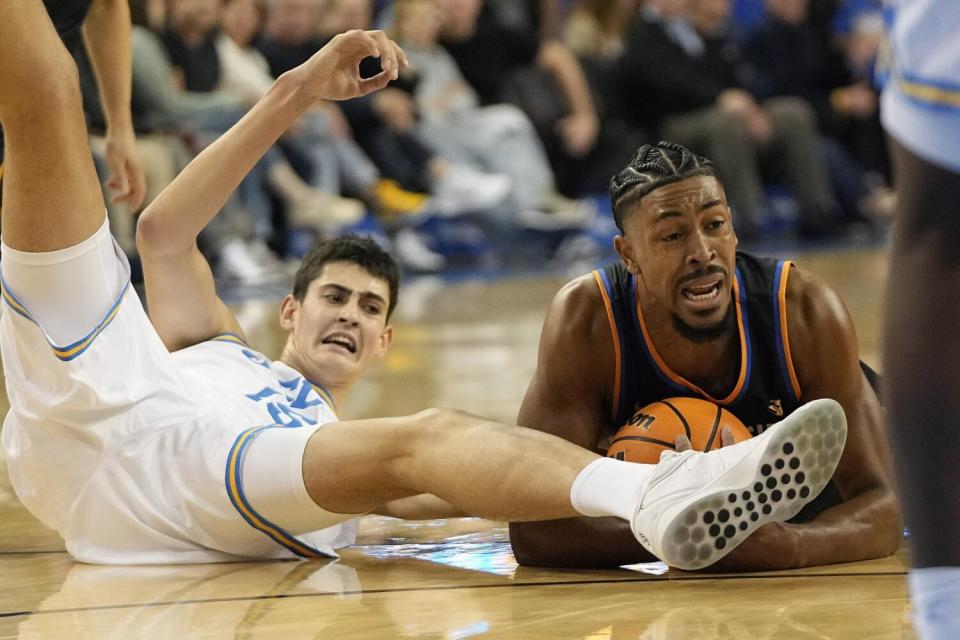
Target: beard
{"type": "Point", "coordinates": [707, 333]}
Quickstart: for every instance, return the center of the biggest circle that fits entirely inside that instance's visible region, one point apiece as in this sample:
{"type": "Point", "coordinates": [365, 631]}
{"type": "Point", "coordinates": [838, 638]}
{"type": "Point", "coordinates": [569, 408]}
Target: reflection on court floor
{"type": "Point", "coordinates": [398, 589]}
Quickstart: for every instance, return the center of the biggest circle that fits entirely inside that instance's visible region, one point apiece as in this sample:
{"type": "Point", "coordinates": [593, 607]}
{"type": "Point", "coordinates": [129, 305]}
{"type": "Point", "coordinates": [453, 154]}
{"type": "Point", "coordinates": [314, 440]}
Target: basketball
{"type": "Point", "coordinates": [653, 429]}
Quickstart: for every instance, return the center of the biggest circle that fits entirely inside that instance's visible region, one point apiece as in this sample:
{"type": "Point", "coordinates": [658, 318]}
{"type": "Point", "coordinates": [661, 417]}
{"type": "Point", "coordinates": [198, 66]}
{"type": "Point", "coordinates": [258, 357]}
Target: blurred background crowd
{"type": "Point", "coordinates": [497, 144]}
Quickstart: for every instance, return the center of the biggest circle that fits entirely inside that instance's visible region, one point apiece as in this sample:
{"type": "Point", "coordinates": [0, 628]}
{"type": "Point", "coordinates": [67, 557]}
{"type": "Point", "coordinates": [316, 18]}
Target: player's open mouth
{"type": "Point", "coordinates": [703, 290]}
{"type": "Point", "coordinates": [341, 340]}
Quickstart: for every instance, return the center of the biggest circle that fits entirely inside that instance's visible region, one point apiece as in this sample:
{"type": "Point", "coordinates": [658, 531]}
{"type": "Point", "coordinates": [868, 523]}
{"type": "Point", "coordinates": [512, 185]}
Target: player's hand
{"type": "Point", "coordinates": [736, 102]}
{"type": "Point", "coordinates": [726, 437]}
{"type": "Point", "coordinates": [126, 182]}
{"type": "Point", "coordinates": [857, 100]}
{"type": "Point", "coordinates": [682, 443]}
{"type": "Point", "coordinates": [333, 73]}
{"type": "Point", "coordinates": [579, 132]}
{"type": "Point", "coordinates": [759, 126]}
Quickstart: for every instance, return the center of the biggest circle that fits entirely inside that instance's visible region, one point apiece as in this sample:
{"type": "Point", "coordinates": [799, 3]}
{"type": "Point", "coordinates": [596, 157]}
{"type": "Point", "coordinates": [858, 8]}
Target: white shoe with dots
{"type": "Point", "coordinates": [697, 507]}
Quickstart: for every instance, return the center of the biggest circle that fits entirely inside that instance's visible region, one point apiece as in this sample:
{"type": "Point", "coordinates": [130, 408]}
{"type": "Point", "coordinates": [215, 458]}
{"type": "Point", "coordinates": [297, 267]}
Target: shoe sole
{"type": "Point", "coordinates": [797, 462]}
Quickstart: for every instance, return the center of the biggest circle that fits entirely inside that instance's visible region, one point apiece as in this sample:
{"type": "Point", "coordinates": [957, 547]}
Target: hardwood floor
{"type": "Point", "coordinates": [470, 345]}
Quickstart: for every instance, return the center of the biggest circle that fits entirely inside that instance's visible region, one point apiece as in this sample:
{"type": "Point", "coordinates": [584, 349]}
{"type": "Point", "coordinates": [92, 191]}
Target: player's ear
{"type": "Point", "coordinates": [625, 251]}
{"type": "Point", "coordinates": [288, 311]}
{"type": "Point", "coordinates": [386, 338]}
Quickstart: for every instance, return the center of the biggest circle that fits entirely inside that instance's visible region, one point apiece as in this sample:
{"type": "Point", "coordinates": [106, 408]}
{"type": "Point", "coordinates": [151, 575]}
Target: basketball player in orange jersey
{"type": "Point", "coordinates": [920, 109]}
{"type": "Point", "coordinates": [684, 314]}
{"type": "Point", "coordinates": [170, 440]}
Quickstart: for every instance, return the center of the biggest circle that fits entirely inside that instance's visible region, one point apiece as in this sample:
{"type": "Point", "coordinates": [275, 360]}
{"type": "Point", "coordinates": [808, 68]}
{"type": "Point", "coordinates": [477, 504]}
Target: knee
{"type": "Point", "coordinates": [48, 94]}
{"type": "Point", "coordinates": [728, 129]}
{"type": "Point", "coordinates": [434, 427]}
{"type": "Point", "coordinates": [436, 422]}
{"type": "Point", "coordinates": [791, 114]}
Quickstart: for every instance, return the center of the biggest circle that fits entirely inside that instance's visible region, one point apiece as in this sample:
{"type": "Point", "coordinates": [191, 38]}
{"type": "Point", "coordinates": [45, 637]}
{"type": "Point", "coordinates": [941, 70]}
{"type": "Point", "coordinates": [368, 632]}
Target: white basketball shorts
{"type": "Point", "coordinates": [106, 445]}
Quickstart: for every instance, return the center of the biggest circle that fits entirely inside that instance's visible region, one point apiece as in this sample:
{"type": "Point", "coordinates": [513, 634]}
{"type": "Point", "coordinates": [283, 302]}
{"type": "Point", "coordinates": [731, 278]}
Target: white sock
{"type": "Point", "coordinates": [935, 592]}
{"type": "Point", "coordinates": [608, 487]}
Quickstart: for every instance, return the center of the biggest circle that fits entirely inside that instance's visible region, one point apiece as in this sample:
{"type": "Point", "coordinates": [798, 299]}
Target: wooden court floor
{"type": "Point", "coordinates": [471, 345]}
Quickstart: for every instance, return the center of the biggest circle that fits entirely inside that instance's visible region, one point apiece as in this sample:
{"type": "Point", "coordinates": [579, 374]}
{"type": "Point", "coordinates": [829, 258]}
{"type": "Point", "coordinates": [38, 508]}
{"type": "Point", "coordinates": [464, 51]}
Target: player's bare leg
{"type": "Point", "coordinates": [51, 195]}
{"type": "Point", "coordinates": [512, 473]}
{"type": "Point", "coordinates": [922, 355]}
{"type": "Point", "coordinates": [461, 452]}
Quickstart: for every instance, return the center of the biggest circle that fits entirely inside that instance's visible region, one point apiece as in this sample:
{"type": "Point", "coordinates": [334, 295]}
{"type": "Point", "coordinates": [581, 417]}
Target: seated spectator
{"type": "Point", "coordinates": [498, 138]}
{"type": "Point", "coordinates": [681, 81]}
{"type": "Point", "coordinates": [183, 121]}
{"type": "Point", "coordinates": [788, 55]}
{"type": "Point", "coordinates": [596, 28]}
{"type": "Point", "coordinates": [858, 26]}
{"type": "Point", "coordinates": [507, 54]}
{"type": "Point", "coordinates": [385, 121]}
{"type": "Point", "coordinates": [174, 117]}
{"type": "Point", "coordinates": [289, 37]}
{"type": "Point", "coordinates": [595, 32]}
{"type": "Point", "coordinates": [409, 178]}
{"type": "Point", "coordinates": [197, 49]}
{"type": "Point", "coordinates": [335, 163]}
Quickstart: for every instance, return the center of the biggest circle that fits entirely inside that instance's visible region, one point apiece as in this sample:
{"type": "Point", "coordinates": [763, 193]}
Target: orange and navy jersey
{"type": "Point", "coordinates": [766, 389]}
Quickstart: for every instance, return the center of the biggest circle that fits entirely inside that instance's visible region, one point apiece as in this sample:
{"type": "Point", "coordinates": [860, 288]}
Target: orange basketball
{"type": "Point", "coordinates": [653, 429]}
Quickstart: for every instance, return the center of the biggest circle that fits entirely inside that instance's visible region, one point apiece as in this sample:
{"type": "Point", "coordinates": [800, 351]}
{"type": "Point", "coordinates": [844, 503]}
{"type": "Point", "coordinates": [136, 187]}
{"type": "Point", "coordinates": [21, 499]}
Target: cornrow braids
{"type": "Point", "coordinates": [653, 166]}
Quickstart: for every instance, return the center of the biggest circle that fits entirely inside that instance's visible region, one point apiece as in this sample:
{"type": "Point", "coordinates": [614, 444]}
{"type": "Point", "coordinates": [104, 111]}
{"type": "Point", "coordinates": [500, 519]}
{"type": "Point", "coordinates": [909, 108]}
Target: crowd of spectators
{"type": "Point", "coordinates": [514, 113]}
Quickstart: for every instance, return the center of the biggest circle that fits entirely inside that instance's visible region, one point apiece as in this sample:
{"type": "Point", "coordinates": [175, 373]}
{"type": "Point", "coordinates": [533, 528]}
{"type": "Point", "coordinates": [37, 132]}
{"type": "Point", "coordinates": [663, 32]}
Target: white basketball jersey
{"type": "Point", "coordinates": [133, 454]}
{"type": "Point", "coordinates": [249, 389]}
{"type": "Point", "coordinates": [136, 455]}
{"type": "Point", "coordinates": [921, 100]}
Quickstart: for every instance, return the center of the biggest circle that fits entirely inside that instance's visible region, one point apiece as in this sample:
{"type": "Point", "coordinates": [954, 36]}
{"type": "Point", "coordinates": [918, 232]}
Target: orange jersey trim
{"type": "Point", "coordinates": [677, 378]}
{"type": "Point", "coordinates": [616, 342]}
{"type": "Point", "coordinates": [788, 357]}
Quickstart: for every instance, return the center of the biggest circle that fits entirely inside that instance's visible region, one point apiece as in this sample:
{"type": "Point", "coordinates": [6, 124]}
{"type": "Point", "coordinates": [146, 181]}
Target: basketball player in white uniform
{"type": "Point", "coordinates": [921, 113]}
{"type": "Point", "coordinates": [169, 440]}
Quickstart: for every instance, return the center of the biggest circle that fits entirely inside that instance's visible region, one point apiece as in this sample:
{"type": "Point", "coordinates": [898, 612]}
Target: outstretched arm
{"type": "Point", "coordinates": [183, 303]}
{"type": "Point", "coordinates": [867, 523]}
{"type": "Point", "coordinates": [106, 33]}
{"type": "Point", "coordinates": [570, 396]}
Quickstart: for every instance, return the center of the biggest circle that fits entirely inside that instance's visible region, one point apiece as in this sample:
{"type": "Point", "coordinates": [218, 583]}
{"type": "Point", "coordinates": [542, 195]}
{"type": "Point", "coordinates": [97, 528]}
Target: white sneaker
{"type": "Point", "coordinates": [317, 209]}
{"type": "Point", "coordinates": [266, 258]}
{"type": "Point", "coordinates": [558, 213]}
{"type": "Point", "coordinates": [554, 220]}
{"type": "Point", "coordinates": [236, 262]}
{"type": "Point", "coordinates": [462, 190]}
{"type": "Point", "coordinates": [412, 252]}
{"type": "Point", "coordinates": [240, 261]}
{"type": "Point", "coordinates": [697, 507]}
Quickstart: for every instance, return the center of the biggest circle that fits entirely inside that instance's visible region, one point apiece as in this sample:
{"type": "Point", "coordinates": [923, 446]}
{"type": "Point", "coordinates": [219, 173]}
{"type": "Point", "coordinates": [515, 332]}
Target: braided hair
{"type": "Point", "coordinates": [653, 166]}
